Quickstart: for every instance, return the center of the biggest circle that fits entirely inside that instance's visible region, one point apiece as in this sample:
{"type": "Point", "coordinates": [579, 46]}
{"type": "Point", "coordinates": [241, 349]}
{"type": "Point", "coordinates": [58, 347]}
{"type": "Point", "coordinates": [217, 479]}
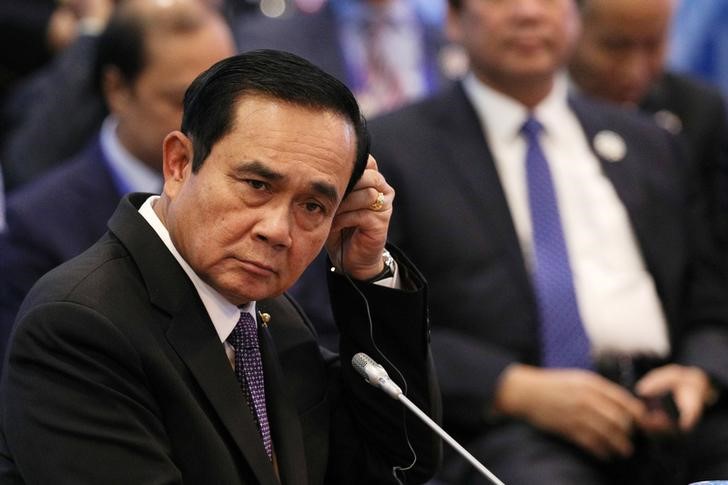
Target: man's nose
{"type": "Point", "coordinates": [274, 225]}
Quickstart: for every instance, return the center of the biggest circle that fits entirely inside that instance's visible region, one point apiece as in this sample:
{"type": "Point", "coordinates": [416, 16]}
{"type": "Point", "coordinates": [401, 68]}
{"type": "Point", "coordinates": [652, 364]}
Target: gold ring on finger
{"type": "Point", "coordinates": [378, 202]}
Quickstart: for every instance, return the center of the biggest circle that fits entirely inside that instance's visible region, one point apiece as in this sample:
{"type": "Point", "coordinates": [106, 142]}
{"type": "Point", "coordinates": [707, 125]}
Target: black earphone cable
{"type": "Point", "coordinates": [395, 469]}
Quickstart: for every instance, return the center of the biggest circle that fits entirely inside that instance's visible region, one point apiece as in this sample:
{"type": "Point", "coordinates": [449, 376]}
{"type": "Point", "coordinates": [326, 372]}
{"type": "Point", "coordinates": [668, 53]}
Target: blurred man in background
{"type": "Point", "coordinates": [579, 316]}
{"type": "Point", "coordinates": [148, 55]}
{"type": "Point", "coordinates": [38, 106]}
{"type": "Point", "coordinates": [620, 57]}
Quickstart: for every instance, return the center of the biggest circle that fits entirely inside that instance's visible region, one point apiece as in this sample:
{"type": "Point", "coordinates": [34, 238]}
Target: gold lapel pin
{"type": "Point", "coordinates": [265, 318]}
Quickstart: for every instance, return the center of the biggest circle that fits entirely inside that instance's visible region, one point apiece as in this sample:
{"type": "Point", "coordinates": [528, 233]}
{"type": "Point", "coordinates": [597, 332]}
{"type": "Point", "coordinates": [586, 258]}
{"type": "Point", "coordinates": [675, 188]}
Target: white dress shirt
{"type": "Point", "coordinates": [616, 294]}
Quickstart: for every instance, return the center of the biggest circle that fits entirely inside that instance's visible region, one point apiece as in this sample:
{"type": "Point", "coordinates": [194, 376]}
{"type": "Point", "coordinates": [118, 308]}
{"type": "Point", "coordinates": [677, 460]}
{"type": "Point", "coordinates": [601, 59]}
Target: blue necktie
{"type": "Point", "coordinates": [563, 340]}
{"type": "Point", "coordinates": [249, 372]}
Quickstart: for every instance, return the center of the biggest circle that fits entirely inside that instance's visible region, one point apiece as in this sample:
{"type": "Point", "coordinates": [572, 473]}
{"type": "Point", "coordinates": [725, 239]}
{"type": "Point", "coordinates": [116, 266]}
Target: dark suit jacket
{"type": "Point", "coordinates": [703, 123]}
{"type": "Point", "coordinates": [453, 219]}
{"type": "Point", "coordinates": [49, 222]}
{"type": "Point", "coordinates": [116, 375]}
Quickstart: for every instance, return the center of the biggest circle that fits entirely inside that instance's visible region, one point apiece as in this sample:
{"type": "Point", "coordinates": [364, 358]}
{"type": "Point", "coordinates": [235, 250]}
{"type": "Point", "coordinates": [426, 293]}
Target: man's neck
{"type": "Point", "coordinates": [527, 91]}
{"type": "Point", "coordinates": [127, 142]}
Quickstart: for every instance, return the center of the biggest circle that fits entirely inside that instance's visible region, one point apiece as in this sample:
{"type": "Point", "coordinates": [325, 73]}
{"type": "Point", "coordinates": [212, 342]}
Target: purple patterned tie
{"type": "Point", "coordinates": [249, 371]}
{"type": "Point", "coordinates": [564, 342]}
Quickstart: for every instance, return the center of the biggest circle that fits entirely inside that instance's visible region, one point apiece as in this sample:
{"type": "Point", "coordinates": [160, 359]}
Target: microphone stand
{"type": "Point", "coordinates": [450, 440]}
{"type": "Point", "coordinates": [377, 376]}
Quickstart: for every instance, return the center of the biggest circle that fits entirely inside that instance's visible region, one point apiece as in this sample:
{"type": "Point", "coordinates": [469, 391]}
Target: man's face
{"type": "Point", "coordinates": [151, 106]}
{"type": "Point", "coordinates": [622, 49]}
{"type": "Point", "coordinates": [515, 41]}
{"type": "Point", "coordinates": [260, 207]}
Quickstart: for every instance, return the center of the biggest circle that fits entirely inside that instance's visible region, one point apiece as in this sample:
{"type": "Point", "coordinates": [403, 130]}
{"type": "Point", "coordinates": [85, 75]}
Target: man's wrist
{"type": "Point", "coordinates": [387, 272]}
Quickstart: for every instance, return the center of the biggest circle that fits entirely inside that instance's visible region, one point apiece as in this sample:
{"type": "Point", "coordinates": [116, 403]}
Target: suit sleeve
{"type": "Point", "coordinates": [372, 433]}
{"type": "Point", "coordinates": [73, 379]}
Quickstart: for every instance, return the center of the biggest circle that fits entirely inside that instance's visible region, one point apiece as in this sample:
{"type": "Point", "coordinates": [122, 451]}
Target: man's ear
{"type": "Point", "coordinates": [116, 90]}
{"type": "Point", "coordinates": [177, 156]}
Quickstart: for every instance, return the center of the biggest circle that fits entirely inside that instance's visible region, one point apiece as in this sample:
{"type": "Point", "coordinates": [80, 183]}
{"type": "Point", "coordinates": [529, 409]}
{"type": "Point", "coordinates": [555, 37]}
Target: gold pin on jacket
{"type": "Point", "coordinates": [265, 318]}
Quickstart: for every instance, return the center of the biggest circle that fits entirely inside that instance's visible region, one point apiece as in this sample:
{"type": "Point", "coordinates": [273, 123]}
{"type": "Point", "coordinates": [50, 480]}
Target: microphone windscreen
{"type": "Point", "coordinates": [360, 361]}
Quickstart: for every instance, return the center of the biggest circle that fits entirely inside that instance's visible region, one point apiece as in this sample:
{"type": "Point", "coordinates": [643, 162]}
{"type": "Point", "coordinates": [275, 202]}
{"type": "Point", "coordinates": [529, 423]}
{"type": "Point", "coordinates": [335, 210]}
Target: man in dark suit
{"type": "Point", "coordinates": [620, 57]}
{"type": "Point", "coordinates": [60, 103]}
{"type": "Point", "coordinates": [558, 240]}
{"type": "Point", "coordinates": [143, 74]}
{"type": "Point", "coordinates": [127, 356]}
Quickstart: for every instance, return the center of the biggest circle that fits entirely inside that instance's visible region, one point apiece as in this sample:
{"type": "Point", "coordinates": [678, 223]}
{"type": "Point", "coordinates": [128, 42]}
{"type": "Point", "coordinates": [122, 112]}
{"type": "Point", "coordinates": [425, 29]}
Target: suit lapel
{"type": "Point", "coordinates": [472, 162]}
{"type": "Point", "coordinates": [624, 174]}
{"type": "Point", "coordinates": [283, 416]}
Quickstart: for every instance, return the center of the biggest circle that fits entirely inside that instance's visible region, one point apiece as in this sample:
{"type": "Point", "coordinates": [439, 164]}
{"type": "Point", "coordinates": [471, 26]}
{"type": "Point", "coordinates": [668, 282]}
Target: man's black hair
{"type": "Point", "coordinates": [211, 99]}
{"type": "Point", "coordinates": [121, 45]}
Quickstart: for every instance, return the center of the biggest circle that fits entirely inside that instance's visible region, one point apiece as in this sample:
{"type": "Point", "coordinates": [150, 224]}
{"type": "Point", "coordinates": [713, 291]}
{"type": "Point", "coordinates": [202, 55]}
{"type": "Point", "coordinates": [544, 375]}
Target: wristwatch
{"type": "Point", "coordinates": [388, 271]}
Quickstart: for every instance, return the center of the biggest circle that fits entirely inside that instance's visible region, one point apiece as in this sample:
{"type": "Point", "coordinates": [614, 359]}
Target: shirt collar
{"type": "Point", "coordinates": [503, 116]}
{"type": "Point", "coordinates": [130, 173]}
{"type": "Point", "coordinates": [224, 315]}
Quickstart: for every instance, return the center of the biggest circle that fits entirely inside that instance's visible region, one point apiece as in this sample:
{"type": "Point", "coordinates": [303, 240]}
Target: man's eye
{"type": "Point", "coordinates": [257, 184]}
{"type": "Point", "coordinates": [313, 207]}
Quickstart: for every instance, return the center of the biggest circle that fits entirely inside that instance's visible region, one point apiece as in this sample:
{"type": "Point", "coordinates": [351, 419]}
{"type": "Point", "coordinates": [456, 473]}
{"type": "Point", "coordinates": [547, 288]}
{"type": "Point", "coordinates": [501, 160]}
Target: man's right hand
{"type": "Point", "coordinates": [580, 405]}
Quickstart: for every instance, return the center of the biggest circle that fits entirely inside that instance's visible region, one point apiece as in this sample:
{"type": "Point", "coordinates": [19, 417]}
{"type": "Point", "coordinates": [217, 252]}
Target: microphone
{"type": "Point", "coordinates": [377, 376]}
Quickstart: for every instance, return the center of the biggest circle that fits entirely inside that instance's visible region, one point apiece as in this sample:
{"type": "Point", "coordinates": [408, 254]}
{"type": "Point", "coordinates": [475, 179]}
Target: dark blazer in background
{"type": "Point", "coordinates": [697, 112]}
{"type": "Point", "coordinates": [117, 375]}
{"type": "Point", "coordinates": [50, 221]}
{"type": "Point", "coordinates": [24, 37]}
{"type": "Point", "coordinates": [53, 115]}
{"type": "Point", "coordinates": [453, 220]}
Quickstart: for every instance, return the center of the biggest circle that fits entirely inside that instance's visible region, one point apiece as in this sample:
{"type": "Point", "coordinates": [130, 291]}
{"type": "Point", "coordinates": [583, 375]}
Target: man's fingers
{"type": "Point", "coordinates": [369, 198]}
{"type": "Point", "coordinates": [690, 387]}
{"type": "Point", "coordinates": [690, 403]}
{"type": "Point", "coordinates": [611, 424]}
{"type": "Point", "coordinates": [658, 381]}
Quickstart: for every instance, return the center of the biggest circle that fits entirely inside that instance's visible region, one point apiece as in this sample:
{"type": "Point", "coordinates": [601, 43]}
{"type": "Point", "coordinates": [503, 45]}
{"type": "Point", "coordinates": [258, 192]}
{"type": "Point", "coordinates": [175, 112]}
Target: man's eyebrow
{"type": "Point", "coordinates": [327, 190]}
{"type": "Point", "coordinates": [259, 169]}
